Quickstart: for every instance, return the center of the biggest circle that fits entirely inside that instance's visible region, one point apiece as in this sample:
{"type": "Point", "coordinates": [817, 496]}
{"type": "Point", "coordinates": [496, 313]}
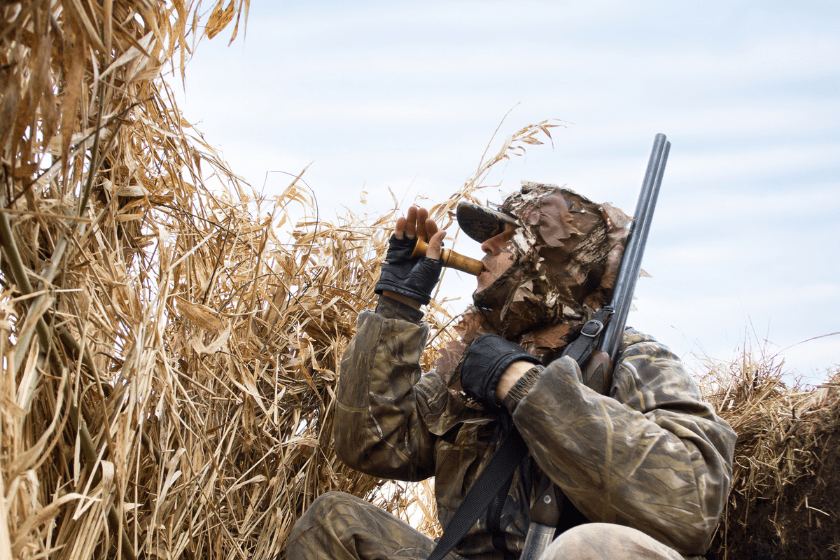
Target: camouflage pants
{"type": "Point", "coordinates": [340, 526]}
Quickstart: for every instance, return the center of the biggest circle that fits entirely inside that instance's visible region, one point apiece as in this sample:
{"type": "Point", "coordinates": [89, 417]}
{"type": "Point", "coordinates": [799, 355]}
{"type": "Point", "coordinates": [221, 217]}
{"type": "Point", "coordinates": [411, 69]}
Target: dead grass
{"type": "Point", "coordinates": [169, 357]}
{"type": "Point", "coordinates": [783, 445]}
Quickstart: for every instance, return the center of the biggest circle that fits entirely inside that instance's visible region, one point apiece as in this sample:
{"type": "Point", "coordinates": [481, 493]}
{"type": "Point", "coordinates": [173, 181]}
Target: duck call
{"type": "Point", "coordinates": [451, 259]}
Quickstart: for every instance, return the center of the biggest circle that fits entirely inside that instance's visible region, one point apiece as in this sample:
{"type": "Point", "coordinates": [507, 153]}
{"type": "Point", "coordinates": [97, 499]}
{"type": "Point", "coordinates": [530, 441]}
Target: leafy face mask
{"type": "Point", "coordinates": [566, 252]}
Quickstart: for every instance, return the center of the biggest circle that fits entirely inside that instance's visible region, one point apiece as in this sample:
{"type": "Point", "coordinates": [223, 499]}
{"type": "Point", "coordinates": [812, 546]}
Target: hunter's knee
{"type": "Point", "coordinates": [581, 543]}
{"type": "Point", "coordinates": [311, 530]}
{"type": "Point", "coordinates": [321, 508]}
{"type": "Point", "coordinates": [594, 541]}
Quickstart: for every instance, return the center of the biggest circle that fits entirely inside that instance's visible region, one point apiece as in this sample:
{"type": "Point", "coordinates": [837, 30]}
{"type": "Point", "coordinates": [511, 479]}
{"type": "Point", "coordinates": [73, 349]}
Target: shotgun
{"type": "Point", "coordinates": [597, 372]}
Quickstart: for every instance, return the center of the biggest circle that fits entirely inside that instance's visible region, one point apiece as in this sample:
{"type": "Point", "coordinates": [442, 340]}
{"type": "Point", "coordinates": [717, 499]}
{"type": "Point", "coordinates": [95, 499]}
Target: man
{"type": "Point", "coordinates": [645, 470]}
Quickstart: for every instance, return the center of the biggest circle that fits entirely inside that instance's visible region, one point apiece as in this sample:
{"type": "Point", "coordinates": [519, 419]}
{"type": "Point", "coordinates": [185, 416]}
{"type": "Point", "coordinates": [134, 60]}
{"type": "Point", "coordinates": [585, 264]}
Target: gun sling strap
{"type": "Point", "coordinates": [499, 472]}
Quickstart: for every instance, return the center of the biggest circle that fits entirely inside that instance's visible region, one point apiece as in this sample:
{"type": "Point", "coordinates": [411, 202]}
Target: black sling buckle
{"type": "Point", "coordinates": [581, 348]}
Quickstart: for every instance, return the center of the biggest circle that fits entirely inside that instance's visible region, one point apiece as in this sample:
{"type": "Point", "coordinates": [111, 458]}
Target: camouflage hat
{"type": "Point", "coordinates": [481, 222]}
{"type": "Point", "coordinates": [567, 250]}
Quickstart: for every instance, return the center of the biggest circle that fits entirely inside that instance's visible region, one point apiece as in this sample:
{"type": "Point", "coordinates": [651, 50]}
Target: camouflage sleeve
{"type": "Point", "coordinates": [652, 455]}
{"type": "Point", "coordinates": [383, 401]}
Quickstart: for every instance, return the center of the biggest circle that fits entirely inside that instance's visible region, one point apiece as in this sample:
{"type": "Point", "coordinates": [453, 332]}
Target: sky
{"type": "Point", "coordinates": [743, 248]}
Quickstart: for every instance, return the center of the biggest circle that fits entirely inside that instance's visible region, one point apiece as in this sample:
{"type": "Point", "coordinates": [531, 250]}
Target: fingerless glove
{"type": "Point", "coordinates": [413, 277]}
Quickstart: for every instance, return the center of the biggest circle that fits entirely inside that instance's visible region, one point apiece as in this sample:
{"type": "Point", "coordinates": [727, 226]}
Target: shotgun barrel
{"type": "Point", "coordinates": [631, 261]}
{"type": "Point", "coordinates": [597, 372]}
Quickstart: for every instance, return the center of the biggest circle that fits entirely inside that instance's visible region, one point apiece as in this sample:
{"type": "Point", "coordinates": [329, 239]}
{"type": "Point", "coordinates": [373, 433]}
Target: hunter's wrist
{"type": "Point", "coordinates": [402, 299]}
{"type": "Point", "coordinates": [522, 387]}
{"type": "Point", "coordinates": [512, 374]}
{"type": "Point", "coordinates": [392, 308]}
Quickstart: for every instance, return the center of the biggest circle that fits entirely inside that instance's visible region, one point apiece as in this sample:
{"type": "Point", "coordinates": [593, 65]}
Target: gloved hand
{"type": "Point", "coordinates": [414, 278]}
{"type": "Point", "coordinates": [407, 276]}
{"type": "Point", "coordinates": [485, 361]}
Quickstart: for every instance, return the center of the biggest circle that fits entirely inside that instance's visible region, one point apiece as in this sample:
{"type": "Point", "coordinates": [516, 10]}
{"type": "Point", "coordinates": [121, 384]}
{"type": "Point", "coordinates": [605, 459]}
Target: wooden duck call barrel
{"type": "Point", "coordinates": [451, 259]}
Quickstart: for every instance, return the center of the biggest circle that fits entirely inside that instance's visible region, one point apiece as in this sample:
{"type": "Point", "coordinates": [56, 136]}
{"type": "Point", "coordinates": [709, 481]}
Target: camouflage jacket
{"type": "Point", "coordinates": [651, 455]}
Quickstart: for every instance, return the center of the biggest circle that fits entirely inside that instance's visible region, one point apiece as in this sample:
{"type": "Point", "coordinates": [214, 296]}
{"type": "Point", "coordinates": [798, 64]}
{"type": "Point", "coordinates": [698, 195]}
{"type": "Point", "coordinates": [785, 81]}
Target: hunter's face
{"type": "Point", "coordinates": [498, 257]}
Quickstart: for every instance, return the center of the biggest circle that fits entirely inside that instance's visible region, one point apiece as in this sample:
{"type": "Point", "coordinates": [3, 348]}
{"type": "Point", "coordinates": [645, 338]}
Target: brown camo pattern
{"type": "Point", "coordinates": [652, 455]}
